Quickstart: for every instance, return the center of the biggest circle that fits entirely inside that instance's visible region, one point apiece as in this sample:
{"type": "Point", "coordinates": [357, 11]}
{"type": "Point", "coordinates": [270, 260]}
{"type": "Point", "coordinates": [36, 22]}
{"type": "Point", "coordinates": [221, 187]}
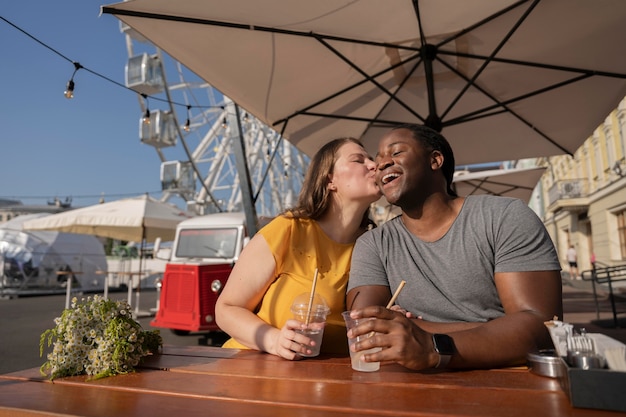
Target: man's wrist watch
{"type": "Point", "coordinates": [444, 346]}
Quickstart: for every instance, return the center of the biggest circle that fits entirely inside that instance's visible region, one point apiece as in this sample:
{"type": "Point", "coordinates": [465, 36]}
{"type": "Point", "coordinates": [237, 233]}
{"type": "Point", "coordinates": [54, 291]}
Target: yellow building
{"type": "Point", "coordinates": [582, 199]}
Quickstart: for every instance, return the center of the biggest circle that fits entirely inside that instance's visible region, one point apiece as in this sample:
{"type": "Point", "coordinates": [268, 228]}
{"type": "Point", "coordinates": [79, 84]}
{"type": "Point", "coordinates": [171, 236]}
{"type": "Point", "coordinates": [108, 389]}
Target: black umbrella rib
{"type": "Point", "coordinates": [505, 103]}
{"type": "Point", "coordinates": [245, 26]}
{"type": "Point", "coordinates": [372, 121]}
{"type": "Point", "coordinates": [481, 23]}
{"type": "Point", "coordinates": [485, 112]}
{"type": "Point", "coordinates": [305, 111]}
{"type": "Point", "coordinates": [534, 64]}
{"type": "Point", "coordinates": [484, 65]}
{"type": "Point", "coordinates": [428, 52]}
{"type": "Point", "coordinates": [367, 77]}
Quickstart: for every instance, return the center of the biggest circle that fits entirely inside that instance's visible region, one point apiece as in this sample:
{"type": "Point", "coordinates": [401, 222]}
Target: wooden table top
{"type": "Point", "coordinates": [206, 381]}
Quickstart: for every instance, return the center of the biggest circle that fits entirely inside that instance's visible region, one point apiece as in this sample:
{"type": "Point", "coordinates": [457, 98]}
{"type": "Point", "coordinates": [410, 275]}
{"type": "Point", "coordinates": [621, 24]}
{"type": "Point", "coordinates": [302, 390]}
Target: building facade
{"type": "Point", "coordinates": [582, 198]}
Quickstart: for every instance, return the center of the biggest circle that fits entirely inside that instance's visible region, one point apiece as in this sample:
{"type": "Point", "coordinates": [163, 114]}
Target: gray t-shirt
{"type": "Point", "coordinates": [452, 279]}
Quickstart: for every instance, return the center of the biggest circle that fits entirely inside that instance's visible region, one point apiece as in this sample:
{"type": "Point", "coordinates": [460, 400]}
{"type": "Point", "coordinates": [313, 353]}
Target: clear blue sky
{"type": "Point", "coordinates": [54, 147]}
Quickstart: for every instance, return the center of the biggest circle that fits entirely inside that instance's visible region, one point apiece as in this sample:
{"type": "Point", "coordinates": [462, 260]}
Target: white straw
{"type": "Point", "coordinates": [308, 312]}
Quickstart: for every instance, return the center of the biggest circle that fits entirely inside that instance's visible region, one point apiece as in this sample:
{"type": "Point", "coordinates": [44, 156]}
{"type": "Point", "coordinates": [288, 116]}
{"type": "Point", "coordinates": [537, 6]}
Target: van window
{"type": "Point", "coordinates": [207, 243]}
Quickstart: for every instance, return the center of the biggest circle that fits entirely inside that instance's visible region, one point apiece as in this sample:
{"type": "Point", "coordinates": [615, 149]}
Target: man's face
{"type": "Point", "coordinates": [402, 167]}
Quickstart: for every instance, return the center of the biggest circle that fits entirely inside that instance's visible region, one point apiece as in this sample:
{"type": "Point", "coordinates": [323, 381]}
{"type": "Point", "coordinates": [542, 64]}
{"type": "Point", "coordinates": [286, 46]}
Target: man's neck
{"type": "Point", "coordinates": [432, 220]}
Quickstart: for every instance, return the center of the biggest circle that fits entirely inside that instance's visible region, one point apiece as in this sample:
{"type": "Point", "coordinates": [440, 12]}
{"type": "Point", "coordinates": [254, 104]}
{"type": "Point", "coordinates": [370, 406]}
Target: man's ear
{"type": "Point", "coordinates": [436, 160]}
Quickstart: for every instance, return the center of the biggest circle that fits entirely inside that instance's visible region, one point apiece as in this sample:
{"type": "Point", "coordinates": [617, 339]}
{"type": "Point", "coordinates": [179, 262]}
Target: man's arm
{"type": "Point", "coordinates": [368, 295]}
{"type": "Point", "coordinates": [529, 299]}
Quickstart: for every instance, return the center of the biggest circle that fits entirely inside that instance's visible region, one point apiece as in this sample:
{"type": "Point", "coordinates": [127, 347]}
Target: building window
{"type": "Point", "coordinates": [610, 143]}
{"type": "Point", "coordinates": [621, 231]}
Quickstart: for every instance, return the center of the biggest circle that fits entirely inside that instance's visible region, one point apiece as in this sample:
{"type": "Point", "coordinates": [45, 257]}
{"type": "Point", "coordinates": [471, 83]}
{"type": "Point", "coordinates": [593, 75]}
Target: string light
{"type": "Point", "coordinates": [69, 89]}
{"type": "Point", "coordinates": [146, 116]}
{"type": "Point", "coordinates": [187, 126]}
{"type": "Point", "coordinates": [224, 123]}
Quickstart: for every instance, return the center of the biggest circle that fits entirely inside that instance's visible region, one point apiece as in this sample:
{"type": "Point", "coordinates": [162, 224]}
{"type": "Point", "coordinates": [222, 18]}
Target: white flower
{"type": "Point", "coordinates": [96, 337]}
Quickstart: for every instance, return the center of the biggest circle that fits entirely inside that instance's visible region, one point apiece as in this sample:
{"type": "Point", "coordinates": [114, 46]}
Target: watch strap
{"type": "Point", "coordinates": [444, 346]}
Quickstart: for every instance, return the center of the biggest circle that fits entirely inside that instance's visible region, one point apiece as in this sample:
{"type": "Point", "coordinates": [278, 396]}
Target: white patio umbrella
{"type": "Point", "coordinates": [514, 182]}
{"type": "Point", "coordinates": [503, 80]}
{"type": "Point", "coordinates": [140, 219]}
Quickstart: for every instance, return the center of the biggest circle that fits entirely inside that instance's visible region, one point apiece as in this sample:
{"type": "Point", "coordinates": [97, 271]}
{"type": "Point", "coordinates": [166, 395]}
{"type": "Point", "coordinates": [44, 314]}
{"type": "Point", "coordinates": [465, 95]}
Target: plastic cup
{"type": "Point", "coordinates": [316, 320]}
{"type": "Point", "coordinates": [356, 358]}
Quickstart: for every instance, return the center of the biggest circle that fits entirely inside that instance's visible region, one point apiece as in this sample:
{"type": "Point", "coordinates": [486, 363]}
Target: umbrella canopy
{"type": "Point", "coordinates": [131, 219]}
{"type": "Point", "coordinates": [517, 182]}
{"type": "Point", "coordinates": [502, 80]}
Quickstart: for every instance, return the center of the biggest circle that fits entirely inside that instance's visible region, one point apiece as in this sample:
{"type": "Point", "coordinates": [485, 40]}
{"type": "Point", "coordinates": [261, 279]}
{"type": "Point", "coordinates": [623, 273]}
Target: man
{"type": "Point", "coordinates": [482, 273]}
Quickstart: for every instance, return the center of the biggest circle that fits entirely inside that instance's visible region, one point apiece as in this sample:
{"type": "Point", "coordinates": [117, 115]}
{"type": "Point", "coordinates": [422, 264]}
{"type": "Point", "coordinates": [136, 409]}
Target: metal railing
{"type": "Point", "coordinates": [568, 189]}
{"type": "Point", "coordinates": [611, 278]}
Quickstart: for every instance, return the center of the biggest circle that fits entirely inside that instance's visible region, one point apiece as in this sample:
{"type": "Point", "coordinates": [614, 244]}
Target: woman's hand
{"type": "Point", "coordinates": [290, 344]}
{"type": "Point", "coordinates": [404, 312]}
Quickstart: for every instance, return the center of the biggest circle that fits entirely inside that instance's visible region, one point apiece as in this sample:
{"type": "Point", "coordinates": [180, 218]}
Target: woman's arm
{"type": "Point", "coordinates": [246, 286]}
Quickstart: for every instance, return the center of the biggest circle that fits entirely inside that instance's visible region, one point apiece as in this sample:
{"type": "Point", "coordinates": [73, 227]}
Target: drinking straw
{"type": "Point", "coordinates": [395, 294]}
{"type": "Point", "coordinates": [393, 299]}
{"type": "Point", "coordinates": [308, 312]}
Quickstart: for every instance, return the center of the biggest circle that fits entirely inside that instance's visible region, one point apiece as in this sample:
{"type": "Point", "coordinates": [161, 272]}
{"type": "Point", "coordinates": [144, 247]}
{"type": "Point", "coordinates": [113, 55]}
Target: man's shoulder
{"type": "Point", "coordinates": [493, 204]}
{"type": "Point", "coordinates": [491, 200]}
{"type": "Point", "coordinates": [378, 232]}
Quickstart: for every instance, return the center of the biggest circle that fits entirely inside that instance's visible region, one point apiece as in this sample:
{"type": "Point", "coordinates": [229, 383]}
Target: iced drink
{"type": "Point", "coordinates": [316, 319]}
{"type": "Point", "coordinates": [356, 358]}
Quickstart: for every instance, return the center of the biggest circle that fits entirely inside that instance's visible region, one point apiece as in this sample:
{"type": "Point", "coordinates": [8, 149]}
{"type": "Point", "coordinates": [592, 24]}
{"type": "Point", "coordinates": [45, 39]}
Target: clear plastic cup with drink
{"type": "Point", "coordinates": [315, 319]}
{"type": "Point", "coordinates": [356, 358]}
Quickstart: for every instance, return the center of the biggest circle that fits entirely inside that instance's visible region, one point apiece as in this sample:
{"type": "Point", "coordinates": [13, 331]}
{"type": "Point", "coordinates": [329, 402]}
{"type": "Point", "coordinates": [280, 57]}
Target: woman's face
{"type": "Point", "coordinates": [353, 176]}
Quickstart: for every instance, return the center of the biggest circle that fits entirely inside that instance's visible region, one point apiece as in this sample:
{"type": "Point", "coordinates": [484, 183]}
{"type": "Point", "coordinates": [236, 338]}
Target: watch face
{"type": "Point", "coordinates": [444, 345]}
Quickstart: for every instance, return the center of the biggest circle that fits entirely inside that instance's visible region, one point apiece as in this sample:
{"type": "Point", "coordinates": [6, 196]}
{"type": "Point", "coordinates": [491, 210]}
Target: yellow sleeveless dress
{"type": "Point", "coordinates": [299, 246]}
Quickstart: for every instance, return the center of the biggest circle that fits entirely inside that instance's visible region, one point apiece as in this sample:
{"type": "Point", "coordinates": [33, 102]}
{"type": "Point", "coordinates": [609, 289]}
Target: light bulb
{"type": "Point", "coordinates": [187, 126]}
{"type": "Point", "coordinates": [69, 90]}
{"type": "Point", "coordinates": [146, 117]}
{"type": "Point", "coordinates": [224, 123]}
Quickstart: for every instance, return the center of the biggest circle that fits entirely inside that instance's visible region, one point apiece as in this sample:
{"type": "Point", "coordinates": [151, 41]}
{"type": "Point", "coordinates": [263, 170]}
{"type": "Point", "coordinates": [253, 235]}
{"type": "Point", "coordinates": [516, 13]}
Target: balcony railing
{"type": "Point", "coordinates": [568, 189]}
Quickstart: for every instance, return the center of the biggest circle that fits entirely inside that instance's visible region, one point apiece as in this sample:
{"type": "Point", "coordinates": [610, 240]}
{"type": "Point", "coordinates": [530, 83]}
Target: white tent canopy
{"type": "Point", "coordinates": [31, 260]}
{"type": "Point", "coordinates": [503, 80]}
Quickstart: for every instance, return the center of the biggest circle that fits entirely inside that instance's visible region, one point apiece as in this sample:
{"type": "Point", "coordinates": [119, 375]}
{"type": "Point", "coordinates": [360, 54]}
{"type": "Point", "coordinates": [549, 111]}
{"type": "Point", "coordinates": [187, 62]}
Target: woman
{"type": "Point", "coordinates": [279, 262]}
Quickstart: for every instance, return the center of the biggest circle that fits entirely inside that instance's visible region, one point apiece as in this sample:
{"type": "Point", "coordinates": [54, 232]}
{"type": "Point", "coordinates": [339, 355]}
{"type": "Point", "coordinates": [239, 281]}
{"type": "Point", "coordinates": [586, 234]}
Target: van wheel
{"type": "Point", "coordinates": [179, 332]}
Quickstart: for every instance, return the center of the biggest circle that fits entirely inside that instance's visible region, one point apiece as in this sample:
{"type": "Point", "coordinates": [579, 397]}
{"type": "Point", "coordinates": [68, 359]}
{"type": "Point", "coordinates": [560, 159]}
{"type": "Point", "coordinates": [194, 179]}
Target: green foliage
{"type": "Point", "coordinates": [96, 337]}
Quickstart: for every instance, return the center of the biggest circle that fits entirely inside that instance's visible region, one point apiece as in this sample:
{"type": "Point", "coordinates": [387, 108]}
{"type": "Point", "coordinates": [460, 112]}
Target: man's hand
{"type": "Point", "coordinates": [401, 340]}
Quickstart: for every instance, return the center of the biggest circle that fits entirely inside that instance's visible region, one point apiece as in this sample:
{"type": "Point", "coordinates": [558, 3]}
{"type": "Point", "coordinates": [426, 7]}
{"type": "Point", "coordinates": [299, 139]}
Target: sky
{"type": "Point", "coordinates": [84, 148]}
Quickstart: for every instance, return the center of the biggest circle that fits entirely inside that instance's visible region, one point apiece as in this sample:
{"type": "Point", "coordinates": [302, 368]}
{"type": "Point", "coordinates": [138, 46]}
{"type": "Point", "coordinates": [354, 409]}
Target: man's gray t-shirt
{"type": "Point", "coordinates": [452, 279]}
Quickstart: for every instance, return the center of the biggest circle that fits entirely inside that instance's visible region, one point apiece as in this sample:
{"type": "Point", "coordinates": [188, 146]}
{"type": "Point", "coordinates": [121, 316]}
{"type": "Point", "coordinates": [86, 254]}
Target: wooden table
{"type": "Point", "coordinates": [207, 381]}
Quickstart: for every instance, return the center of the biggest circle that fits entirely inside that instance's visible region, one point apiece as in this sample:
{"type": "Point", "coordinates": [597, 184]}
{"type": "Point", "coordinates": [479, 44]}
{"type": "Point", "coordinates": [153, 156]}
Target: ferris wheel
{"type": "Point", "coordinates": [195, 130]}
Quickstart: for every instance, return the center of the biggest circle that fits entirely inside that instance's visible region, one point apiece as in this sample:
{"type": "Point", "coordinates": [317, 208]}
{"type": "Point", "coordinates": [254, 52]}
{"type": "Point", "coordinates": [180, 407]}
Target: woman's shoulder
{"type": "Point", "coordinates": [287, 222]}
